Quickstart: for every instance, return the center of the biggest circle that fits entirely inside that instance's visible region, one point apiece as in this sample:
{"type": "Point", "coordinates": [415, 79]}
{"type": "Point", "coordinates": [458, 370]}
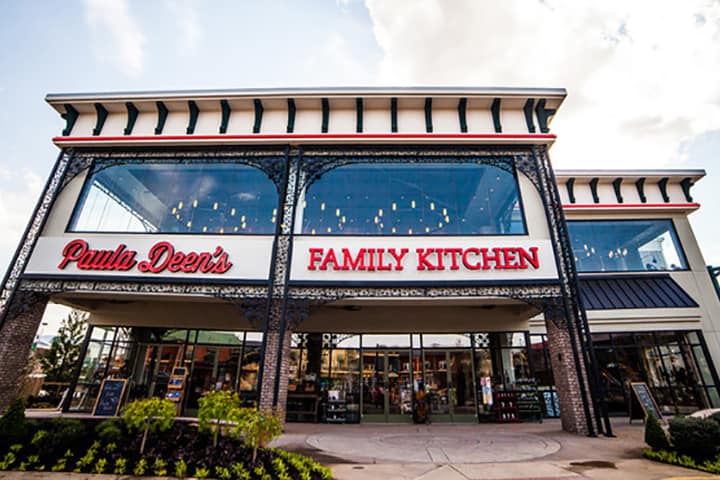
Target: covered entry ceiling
{"type": "Point", "coordinates": [420, 315]}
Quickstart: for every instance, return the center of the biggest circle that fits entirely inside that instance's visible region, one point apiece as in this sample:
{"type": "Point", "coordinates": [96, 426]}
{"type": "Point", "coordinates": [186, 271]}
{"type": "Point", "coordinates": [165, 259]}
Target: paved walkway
{"type": "Point", "coordinates": [478, 452]}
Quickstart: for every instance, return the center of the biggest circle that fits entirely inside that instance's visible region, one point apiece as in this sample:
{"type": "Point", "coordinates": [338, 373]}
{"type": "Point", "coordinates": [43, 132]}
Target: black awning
{"type": "Point", "coordinates": [637, 291]}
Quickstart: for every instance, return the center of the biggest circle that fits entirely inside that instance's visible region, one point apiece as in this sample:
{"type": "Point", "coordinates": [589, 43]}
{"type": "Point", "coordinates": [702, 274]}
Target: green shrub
{"type": "Point", "coordinates": [239, 471]}
{"type": "Point", "coordinates": [201, 472]}
{"type": "Point", "coordinates": [216, 408]}
{"type": "Point", "coordinates": [655, 436]}
{"type": "Point", "coordinates": [180, 469]}
{"type": "Point", "coordinates": [698, 438]}
{"type": "Point", "coordinates": [715, 416]}
{"type": "Point", "coordinates": [223, 473]}
{"type": "Point", "coordinates": [8, 460]}
{"type": "Point", "coordinates": [140, 467]}
{"type": "Point", "coordinates": [159, 468]}
{"type": "Point", "coordinates": [62, 432]}
{"type": "Point", "coordinates": [149, 415]}
{"type": "Point", "coordinates": [100, 465]}
{"type": "Point", "coordinates": [120, 466]}
{"type": "Point", "coordinates": [109, 430]}
{"type": "Point", "coordinates": [14, 426]}
{"type": "Point", "coordinates": [87, 460]}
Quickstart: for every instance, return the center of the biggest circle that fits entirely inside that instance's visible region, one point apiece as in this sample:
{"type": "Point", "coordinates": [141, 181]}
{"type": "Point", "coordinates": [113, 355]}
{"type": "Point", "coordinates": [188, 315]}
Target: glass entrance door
{"type": "Point", "coordinates": [387, 386]}
{"type": "Point", "coordinates": [450, 385]}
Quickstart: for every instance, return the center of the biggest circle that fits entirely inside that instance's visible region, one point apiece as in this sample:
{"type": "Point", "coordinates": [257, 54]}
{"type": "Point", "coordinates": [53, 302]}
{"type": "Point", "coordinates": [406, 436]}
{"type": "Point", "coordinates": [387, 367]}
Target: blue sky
{"type": "Point", "coordinates": [643, 78]}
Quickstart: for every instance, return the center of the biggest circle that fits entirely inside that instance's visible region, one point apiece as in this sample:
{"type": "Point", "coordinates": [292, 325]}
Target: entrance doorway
{"type": "Point", "coordinates": [450, 385]}
{"type": "Point", "coordinates": [387, 386]}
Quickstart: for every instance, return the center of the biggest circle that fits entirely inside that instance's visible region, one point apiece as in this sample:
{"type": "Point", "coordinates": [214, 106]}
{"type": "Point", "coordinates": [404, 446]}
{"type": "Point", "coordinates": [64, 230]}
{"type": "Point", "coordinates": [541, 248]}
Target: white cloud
{"type": "Point", "coordinates": [641, 76]}
{"type": "Point", "coordinates": [336, 55]}
{"type": "Point", "coordinates": [117, 35]}
{"type": "Point", "coordinates": [186, 17]}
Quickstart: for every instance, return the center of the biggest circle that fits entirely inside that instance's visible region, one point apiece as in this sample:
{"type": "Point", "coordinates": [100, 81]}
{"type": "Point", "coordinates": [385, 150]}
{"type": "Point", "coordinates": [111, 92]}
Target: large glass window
{"type": "Point", "coordinates": [414, 199]}
{"type": "Point", "coordinates": [172, 198]}
{"type": "Point", "coordinates": [632, 245]}
{"type": "Point", "coordinates": [673, 364]}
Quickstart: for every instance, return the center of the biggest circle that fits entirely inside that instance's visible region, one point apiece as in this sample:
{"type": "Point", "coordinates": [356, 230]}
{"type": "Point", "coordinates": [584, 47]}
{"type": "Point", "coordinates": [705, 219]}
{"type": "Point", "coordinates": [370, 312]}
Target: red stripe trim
{"type": "Point", "coordinates": [295, 136]}
{"type": "Point", "coordinates": [630, 205]}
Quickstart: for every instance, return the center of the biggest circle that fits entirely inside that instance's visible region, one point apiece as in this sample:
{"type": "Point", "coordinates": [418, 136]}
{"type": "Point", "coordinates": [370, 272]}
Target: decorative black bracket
{"type": "Point", "coordinates": [617, 183]}
{"type": "Point", "coordinates": [462, 114]}
{"type": "Point", "coordinates": [162, 117]}
{"type": "Point", "coordinates": [663, 189]}
{"type": "Point", "coordinates": [359, 115]}
{"type": "Point", "coordinates": [393, 115]}
{"type": "Point", "coordinates": [495, 109]}
{"type": "Point", "coordinates": [325, 115]}
{"type": "Point", "coordinates": [528, 109]}
{"type": "Point", "coordinates": [640, 185]}
{"type": "Point", "coordinates": [543, 115]}
{"type": "Point", "coordinates": [686, 183]}
{"type": "Point", "coordinates": [428, 115]}
{"type": "Point", "coordinates": [570, 185]}
{"type": "Point", "coordinates": [593, 189]}
{"type": "Point", "coordinates": [258, 115]}
{"type": "Point", "coordinates": [291, 116]}
{"type": "Point", "coordinates": [194, 112]}
{"type": "Point", "coordinates": [225, 115]}
{"type": "Point", "coordinates": [70, 116]}
{"type": "Point", "coordinates": [132, 114]}
{"type": "Point", "coordinates": [102, 114]}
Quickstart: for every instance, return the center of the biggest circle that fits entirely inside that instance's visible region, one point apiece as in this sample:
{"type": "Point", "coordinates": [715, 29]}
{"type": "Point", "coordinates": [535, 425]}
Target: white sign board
{"type": "Point", "coordinates": [421, 259]}
{"type": "Point", "coordinates": [153, 256]}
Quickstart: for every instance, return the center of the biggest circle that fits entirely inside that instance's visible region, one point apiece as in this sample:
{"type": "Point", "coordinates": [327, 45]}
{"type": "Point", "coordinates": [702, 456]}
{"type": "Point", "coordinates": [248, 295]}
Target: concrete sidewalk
{"type": "Point", "coordinates": [478, 452]}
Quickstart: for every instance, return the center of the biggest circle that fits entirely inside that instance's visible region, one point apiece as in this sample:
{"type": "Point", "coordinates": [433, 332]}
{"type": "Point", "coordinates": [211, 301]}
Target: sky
{"type": "Point", "coordinates": [643, 77]}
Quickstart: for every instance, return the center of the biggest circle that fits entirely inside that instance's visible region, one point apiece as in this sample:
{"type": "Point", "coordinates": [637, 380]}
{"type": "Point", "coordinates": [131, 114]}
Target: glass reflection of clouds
{"type": "Point", "coordinates": [625, 245]}
{"type": "Point", "coordinates": [413, 199]}
{"type": "Point", "coordinates": [209, 198]}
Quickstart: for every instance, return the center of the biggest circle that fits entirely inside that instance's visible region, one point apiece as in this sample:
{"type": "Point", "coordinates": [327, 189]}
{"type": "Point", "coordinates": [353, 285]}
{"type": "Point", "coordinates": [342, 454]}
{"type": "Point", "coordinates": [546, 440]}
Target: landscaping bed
{"type": "Point", "coordinates": [180, 449]}
{"type": "Point", "coordinates": [689, 442]}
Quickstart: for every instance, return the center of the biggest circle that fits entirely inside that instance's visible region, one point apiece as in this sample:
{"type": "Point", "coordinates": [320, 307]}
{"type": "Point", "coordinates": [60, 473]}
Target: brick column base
{"type": "Point", "coordinates": [272, 347]}
{"type": "Point", "coordinates": [567, 378]}
{"type": "Point", "coordinates": [16, 338]}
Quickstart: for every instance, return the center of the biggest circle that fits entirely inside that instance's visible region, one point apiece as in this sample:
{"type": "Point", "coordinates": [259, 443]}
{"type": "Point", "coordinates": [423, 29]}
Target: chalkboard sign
{"type": "Point", "coordinates": [109, 398]}
{"type": "Point", "coordinates": [646, 400]}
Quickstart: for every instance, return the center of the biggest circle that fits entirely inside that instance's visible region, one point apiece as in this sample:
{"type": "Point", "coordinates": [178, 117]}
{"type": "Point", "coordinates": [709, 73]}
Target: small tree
{"type": "Point", "coordinates": [654, 434]}
{"type": "Point", "coordinates": [149, 415]}
{"type": "Point", "coordinates": [64, 352]}
{"type": "Point", "coordinates": [258, 428]}
{"type": "Point", "coordinates": [215, 408]}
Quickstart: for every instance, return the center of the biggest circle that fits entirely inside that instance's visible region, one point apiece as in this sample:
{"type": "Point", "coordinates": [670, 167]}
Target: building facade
{"type": "Point", "coordinates": [352, 254]}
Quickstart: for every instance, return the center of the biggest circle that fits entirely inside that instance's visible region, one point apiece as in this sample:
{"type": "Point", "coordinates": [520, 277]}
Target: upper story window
{"type": "Point", "coordinates": [625, 245]}
{"type": "Point", "coordinates": [171, 198]}
{"type": "Point", "coordinates": [414, 199]}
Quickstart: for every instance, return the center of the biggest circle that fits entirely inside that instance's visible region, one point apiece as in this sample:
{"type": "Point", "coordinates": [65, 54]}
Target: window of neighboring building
{"type": "Point", "coordinates": [414, 199]}
{"type": "Point", "coordinates": [625, 245]}
{"type": "Point", "coordinates": [173, 198]}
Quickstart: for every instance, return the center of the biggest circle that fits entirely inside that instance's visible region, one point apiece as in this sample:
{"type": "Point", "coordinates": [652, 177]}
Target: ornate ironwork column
{"type": "Point", "coordinates": [576, 325]}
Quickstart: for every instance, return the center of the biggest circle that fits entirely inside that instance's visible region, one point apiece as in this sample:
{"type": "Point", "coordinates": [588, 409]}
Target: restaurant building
{"type": "Point", "coordinates": [334, 253]}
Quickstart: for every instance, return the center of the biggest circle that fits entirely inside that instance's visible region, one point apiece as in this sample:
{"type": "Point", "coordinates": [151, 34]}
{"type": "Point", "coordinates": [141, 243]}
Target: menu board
{"type": "Point", "coordinates": [109, 398]}
{"type": "Point", "coordinates": [646, 400]}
